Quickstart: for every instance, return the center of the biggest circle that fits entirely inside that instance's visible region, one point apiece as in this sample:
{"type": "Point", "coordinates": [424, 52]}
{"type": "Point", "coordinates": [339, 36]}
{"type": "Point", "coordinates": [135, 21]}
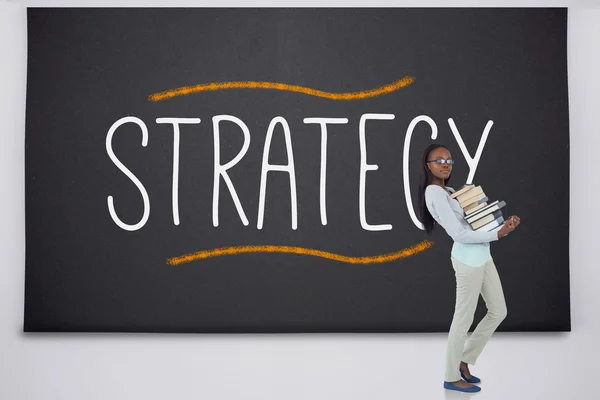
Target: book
{"type": "Point", "coordinates": [486, 219]}
{"type": "Point", "coordinates": [461, 190]}
{"type": "Point", "coordinates": [481, 215]}
{"type": "Point", "coordinates": [472, 199]}
{"type": "Point", "coordinates": [471, 208]}
{"type": "Point", "coordinates": [478, 208]}
{"type": "Point", "coordinates": [491, 225]}
{"type": "Point", "coordinates": [485, 211]}
{"type": "Point", "coordinates": [469, 193]}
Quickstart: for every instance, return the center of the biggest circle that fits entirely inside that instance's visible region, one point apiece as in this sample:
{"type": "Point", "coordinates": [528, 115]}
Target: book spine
{"type": "Point", "coordinates": [482, 214]}
{"type": "Point", "coordinates": [497, 205]}
{"type": "Point", "coordinates": [488, 218]}
{"type": "Point", "coordinates": [472, 210]}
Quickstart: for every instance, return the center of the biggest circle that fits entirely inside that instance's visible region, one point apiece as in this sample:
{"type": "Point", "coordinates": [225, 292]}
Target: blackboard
{"type": "Point", "coordinates": [330, 245]}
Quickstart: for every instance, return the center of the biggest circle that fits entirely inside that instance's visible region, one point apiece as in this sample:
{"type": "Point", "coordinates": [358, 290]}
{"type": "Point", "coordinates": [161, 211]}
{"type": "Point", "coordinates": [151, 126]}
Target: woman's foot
{"type": "Point", "coordinates": [462, 384]}
{"type": "Point", "coordinates": [464, 367]}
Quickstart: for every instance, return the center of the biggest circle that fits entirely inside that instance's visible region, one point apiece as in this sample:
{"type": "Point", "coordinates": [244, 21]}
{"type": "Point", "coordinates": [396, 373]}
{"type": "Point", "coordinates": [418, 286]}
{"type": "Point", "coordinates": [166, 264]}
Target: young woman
{"type": "Point", "coordinates": [473, 265]}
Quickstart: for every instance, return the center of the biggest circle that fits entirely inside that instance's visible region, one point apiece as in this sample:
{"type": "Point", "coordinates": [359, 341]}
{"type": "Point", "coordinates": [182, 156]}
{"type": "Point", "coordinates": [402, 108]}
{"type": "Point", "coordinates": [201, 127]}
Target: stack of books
{"type": "Point", "coordinates": [481, 215]}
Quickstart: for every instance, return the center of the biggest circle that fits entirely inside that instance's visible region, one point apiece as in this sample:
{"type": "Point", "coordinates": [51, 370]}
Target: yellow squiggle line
{"type": "Point", "coordinates": [226, 251]}
{"type": "Point", "coordinates": [213, 86]}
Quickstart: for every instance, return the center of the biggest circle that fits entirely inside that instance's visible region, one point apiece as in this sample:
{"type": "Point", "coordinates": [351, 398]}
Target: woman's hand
{"type": "Point", "coordinates": [509, 225]}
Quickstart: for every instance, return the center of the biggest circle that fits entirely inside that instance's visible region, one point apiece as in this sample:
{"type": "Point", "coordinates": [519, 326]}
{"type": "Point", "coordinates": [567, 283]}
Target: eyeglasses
{"type": "Point", "coordinates": [442, 161]}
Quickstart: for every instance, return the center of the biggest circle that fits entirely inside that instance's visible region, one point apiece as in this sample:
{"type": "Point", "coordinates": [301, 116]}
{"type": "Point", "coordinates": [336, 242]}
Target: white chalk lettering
{"type": "Point", "coordinates": [364, 167]}
{"type": "Point", "coordinates": [221, 170]}
{"type": "Point", "coordinates": [175, 190]}
{"type": "Point", "coordinates": [323, 175]}
{"type": "Point", "coordinates": [128, 173]}
{"type": "Point", "coordinates": [289, 168]}
{"type": "Point", "coordinates": [405, 159]}
{"type": "Point", "coordinates": [471, 161]}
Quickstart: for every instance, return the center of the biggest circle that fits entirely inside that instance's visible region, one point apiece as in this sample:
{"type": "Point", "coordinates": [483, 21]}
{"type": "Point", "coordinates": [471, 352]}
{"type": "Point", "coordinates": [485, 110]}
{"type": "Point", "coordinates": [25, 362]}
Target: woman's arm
{"type": "Point", "coordinates": [451, 224]}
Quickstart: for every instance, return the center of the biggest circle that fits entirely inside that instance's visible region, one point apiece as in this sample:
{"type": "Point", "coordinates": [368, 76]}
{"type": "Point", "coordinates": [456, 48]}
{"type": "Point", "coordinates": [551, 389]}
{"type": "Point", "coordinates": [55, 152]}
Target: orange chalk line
{"type": "Point", "coordinates": [214, 86]}
{"type": "Point", "coordinates": [227, 251]}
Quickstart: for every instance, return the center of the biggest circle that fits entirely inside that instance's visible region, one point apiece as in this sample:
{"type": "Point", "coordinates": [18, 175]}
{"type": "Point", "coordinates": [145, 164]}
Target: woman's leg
{"type": "Point", "coordinates": [492, 293]}
{"type": "Point", "coordinates": [468, 285]}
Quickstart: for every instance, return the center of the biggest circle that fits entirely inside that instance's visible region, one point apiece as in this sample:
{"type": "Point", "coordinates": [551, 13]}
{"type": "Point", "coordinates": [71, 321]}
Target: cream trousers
{"type": "Point", "coordinates": [470, 282]}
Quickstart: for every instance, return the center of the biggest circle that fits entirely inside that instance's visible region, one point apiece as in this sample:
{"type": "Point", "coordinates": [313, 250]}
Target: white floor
{"type": "Point", "coordinates": [514, 366]}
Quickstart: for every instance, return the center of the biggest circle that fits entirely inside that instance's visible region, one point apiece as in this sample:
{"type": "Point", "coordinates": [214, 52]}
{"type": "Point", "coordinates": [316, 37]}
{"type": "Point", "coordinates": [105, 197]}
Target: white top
{"type": "Point", "coordinates": [470, 247]}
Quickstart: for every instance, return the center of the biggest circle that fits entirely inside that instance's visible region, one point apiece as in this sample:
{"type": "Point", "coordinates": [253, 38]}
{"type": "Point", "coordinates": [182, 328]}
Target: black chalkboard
{"type": "Point", "coordinates": [98, 77]}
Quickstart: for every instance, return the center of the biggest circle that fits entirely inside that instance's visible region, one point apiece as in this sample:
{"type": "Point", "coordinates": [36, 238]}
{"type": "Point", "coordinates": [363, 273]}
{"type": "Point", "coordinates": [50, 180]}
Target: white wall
{"type": "Point", "coordinates": [287, 367]}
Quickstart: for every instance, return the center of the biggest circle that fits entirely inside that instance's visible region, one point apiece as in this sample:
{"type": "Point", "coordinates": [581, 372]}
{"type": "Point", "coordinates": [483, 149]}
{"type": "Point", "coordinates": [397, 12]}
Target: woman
{"type": "Point", "coordinates": [473, 265]}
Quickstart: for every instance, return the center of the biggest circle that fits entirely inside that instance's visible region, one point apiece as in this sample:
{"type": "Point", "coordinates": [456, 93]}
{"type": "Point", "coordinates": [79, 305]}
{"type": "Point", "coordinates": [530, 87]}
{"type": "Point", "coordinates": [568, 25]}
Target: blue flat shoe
{"type": "Point", "coordinates": [451, 386]}
{"type": "Point", "coordinates": [473, 379]}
